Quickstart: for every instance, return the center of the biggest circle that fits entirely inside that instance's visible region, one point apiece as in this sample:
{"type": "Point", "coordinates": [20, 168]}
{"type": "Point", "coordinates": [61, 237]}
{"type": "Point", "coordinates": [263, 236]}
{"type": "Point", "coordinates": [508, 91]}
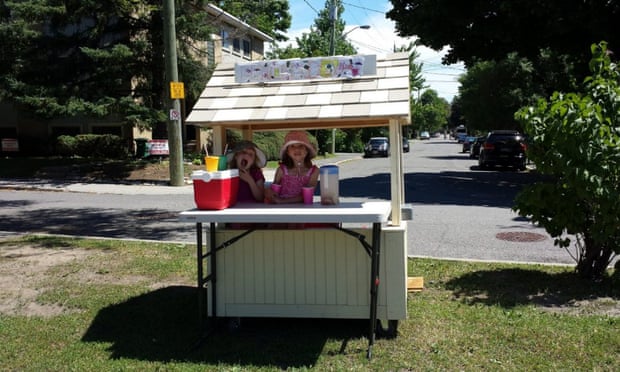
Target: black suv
{"type": "Point", "coordinates": [377, 146]}
{"type": "Point", "coordinates": [503, 147]}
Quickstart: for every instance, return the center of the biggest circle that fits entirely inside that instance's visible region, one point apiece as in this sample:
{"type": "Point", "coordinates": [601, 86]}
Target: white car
{"type": "Point", "coordinates": [425, 135]}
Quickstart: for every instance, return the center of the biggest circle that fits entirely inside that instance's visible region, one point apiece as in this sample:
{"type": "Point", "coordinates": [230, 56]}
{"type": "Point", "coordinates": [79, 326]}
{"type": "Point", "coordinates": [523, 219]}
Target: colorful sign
{"type": "Point", "coordinates": [158, 147]}
{"type": "Point", "coordinates": [333, 67]}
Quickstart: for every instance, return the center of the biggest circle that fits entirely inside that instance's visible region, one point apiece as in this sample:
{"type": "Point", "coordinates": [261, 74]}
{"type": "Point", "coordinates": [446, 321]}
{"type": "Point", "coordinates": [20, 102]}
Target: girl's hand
{"type": "Point", "coordinates": [245, 175]}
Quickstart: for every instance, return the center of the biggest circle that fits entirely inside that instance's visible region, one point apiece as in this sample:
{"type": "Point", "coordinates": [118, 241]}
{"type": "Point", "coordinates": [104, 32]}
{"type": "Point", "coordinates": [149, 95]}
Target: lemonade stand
{"type": "Point", "coordinates": [357, 270]}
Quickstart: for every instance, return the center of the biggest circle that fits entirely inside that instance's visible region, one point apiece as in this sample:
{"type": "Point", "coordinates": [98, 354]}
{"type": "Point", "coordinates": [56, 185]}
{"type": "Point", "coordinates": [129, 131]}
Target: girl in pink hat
{"type": "Point", "coordinates": [296, 169]}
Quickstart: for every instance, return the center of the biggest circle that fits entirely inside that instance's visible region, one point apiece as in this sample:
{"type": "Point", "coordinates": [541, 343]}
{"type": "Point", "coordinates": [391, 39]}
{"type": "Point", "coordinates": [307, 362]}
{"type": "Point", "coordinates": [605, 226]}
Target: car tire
{"type": "Point", "coordinates": [481, 163]}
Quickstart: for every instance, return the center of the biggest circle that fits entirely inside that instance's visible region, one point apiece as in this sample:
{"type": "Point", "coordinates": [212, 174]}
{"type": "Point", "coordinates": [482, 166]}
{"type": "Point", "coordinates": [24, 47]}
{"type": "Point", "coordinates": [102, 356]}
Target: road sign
{"type": "Point", "coordinates": [177, 90]}
{"type": "Point", "coordinates": [175, 114]}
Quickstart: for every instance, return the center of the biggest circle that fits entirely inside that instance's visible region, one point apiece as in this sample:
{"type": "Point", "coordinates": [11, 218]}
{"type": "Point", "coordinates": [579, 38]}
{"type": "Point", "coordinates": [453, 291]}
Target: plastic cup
{"type": "Point", "coordinates": [308, 193]}
{"type": "Point", "coordinates": [222, 163]}
{"type": "Point", "coordinates": [276, 188]}
{"type": "Point", "coordinates": [211, 163]}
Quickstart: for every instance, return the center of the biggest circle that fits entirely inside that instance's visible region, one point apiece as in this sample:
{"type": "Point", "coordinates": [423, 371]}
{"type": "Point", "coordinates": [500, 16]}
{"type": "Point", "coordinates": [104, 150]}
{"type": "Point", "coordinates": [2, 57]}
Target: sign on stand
{"type": "Point", "coordinates": [158, 147]}
{"type": "Point", "coordinates": [9, 145]}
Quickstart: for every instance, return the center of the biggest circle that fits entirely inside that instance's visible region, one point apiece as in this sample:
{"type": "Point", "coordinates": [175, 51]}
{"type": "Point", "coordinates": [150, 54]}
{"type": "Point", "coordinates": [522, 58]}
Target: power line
{"type": "Point", "coordinates": [311, 7]}
{"type": "Point", "coordinates": [363, 7]}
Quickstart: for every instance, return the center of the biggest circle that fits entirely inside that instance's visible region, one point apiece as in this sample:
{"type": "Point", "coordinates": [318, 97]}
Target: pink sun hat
{"type": "Point", "coordinates": [297, 137]}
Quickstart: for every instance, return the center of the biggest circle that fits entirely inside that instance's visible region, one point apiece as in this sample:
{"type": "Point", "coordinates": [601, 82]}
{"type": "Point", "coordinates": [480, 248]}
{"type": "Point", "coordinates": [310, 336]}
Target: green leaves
{"type": "Point", "coordinates": [575, 141]}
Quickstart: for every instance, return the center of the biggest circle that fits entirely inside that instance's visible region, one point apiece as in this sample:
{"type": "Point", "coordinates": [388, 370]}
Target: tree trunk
{"type": "Point", "coordinates": [593, 263]}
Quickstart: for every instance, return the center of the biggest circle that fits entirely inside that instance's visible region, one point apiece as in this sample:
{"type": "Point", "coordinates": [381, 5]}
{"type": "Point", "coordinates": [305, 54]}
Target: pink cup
{"type": "Point", "coordinates": [276, 188]}
{"type": "Point", "coordinates": [308, 193]}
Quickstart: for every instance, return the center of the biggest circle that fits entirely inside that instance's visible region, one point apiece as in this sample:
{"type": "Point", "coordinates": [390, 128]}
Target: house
{"type": "Point", "coordinates": [232, 41]}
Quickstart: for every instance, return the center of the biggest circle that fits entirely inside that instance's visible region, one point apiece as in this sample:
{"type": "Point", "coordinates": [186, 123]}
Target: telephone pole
{"type": "Point", "coordinates": [175, 146]}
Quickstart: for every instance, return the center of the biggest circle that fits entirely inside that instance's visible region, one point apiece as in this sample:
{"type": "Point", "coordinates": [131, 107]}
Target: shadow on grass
{"type": "Point", "coordinates": [513, 287]}
{"type": "Point", "coordinates": [164, 326]}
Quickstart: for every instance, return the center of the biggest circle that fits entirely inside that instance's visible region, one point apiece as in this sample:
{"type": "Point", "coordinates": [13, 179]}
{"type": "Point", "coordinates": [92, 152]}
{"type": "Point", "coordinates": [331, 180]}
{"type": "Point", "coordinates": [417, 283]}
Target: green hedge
{"type": "Point", "coordinates": [92, 146]}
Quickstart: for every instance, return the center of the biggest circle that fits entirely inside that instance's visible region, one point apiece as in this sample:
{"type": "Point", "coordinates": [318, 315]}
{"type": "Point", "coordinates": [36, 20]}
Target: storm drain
{"type": "Point", "coordinates": [520, 236]}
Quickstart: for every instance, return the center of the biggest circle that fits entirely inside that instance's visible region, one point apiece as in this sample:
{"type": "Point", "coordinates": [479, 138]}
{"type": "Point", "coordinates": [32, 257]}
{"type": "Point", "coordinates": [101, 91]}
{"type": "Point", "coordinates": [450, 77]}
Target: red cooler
{"type": "Point", "coordinates": [215, 190]}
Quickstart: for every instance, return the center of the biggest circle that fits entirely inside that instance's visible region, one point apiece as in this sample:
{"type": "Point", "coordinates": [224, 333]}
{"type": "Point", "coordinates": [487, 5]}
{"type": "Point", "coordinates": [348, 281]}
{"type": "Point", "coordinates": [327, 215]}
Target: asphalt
{"type": "Point", "coordinates": [154, 188]}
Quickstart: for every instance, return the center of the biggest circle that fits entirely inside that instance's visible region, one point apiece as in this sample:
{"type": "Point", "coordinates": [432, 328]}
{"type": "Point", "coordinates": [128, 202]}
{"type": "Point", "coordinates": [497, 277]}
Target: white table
{"type": "Point", "coordinates": [376, 213]}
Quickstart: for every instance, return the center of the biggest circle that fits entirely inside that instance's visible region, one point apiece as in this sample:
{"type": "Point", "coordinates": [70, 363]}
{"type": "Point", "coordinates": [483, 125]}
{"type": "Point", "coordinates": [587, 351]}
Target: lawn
{"type": "Point", "coordinates": [86, 305]}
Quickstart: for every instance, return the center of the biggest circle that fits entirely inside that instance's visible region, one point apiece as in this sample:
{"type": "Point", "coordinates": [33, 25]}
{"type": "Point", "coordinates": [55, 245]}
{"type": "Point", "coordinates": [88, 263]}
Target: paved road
{"type": "Point", "coordinates": [458, 210]}
{"type": "Point", "coordinates": [465, 213]}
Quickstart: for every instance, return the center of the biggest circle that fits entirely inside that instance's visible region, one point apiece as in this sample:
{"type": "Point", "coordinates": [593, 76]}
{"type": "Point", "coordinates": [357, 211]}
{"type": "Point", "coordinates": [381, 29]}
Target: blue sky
{"type": "Point", "coordinates": [379, 39]}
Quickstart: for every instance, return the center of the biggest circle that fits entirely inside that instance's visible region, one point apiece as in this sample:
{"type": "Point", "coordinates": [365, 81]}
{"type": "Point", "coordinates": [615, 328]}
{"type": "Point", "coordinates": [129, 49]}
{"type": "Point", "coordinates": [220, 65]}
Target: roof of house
{"type": "Point", "coordinates": [364, 101]}
{"type": "Point", "coordinates": [230, 19]}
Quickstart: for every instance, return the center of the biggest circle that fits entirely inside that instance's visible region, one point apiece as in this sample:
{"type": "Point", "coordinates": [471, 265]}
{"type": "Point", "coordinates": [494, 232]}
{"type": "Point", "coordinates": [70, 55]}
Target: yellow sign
{"type": "Point", "coordinates": [177, 91]}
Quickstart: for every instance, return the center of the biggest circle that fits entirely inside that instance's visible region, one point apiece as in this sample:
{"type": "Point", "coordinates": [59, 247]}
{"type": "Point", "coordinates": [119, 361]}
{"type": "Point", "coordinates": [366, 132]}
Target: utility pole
{"type": "Point", "coordinates": [332, 52]}
{"type": "Point", "coordinates": [175, 146]}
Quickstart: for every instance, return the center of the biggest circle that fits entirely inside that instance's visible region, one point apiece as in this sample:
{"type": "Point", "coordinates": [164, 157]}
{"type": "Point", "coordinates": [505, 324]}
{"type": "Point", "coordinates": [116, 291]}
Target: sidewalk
{"type": "Point", "coordinates": [137, 189]}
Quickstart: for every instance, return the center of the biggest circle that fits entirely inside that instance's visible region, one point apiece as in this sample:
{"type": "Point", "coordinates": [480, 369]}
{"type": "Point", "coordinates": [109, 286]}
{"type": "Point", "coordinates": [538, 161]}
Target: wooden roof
{"type": "Point", "coordinates": [364, 101]}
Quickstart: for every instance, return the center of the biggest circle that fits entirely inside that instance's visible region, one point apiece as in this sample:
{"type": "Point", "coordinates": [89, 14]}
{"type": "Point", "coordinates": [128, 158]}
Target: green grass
{"type": "Point", "coordinates": [133, 306]}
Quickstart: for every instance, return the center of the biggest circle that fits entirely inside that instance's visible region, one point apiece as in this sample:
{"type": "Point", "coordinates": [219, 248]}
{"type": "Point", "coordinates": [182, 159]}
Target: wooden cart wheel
{"type": "Point", "coordinates": [390, 332]}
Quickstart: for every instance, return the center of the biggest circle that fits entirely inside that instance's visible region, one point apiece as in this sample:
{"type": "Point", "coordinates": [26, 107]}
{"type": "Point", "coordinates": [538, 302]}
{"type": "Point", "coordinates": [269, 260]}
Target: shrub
{"type": "Point", "coordinates": [66, 145]}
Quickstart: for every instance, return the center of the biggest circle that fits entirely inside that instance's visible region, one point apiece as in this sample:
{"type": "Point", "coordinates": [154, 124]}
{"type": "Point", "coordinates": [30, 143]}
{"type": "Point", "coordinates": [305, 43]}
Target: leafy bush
{"type": "Point", "coordinates": [92, 146]}
{"type": "Point", "coordinates": [576, 141]}
{"type": "Point", "coordinates": [66, 145]}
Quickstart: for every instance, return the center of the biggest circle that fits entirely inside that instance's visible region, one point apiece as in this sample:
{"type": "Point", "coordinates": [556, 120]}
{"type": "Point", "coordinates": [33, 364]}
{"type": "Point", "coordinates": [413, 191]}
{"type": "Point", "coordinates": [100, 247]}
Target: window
{"type": "Point", "coordinates": [247, 51]}
{"type": "Point", "coordinates": [225, 39]}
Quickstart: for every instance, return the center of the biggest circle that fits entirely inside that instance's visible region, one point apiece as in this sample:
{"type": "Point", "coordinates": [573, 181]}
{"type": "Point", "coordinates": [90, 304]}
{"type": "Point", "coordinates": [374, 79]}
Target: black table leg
{"type": "Point", "coordinates": [200, 276]}
{"type": "Point", "coordinates": [212, 251]}
{"type": "Point", "coordinates": [374, 284]}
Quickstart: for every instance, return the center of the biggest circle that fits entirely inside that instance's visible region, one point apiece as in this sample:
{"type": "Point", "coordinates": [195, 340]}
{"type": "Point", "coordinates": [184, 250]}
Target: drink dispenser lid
{"type": "Point", "coordinates": [329, 169]}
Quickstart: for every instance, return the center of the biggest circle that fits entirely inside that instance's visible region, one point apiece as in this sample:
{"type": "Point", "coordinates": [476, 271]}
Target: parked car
{"type": "Point", "coordinates": [405, 144]}
{"type": "Point", "coordinates": [474, 149]}
{"type": "Point", "coordinates": [467, 143]}
{"type": "Point", "coordinates": [377, 146]}
{"type": "Point", "coordinates": [505, 148]}
{"type": "Point", "coordinates": [425, 135]}
{"type": "Point", "coordinates": [460, 133]}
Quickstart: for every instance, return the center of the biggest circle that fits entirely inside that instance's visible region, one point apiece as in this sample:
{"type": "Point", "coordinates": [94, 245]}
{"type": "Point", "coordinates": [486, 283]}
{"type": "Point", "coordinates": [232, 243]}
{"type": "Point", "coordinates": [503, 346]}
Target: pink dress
{"type": "Point", "coordinates": [292, 184]}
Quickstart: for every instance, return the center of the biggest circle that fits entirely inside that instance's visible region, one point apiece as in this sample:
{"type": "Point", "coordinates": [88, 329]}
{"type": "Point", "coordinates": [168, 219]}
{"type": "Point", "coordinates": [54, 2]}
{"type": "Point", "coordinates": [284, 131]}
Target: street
{"type": "Point", "coordinates": [458, 210]}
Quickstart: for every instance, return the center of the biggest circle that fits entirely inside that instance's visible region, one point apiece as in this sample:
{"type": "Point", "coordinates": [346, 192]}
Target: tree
{"type": "Point", "coordinates": [416, 80]}
{"type": "Point", "coordinates": [96, 58]}
{"type": "Point", "coordinates": [430, 113]}
{"type": "Point", "coordinates": [270, 16]}
{"type": "Point", "coordinates": [316, 43]}
{"type": "Point", "coordinates": [575, 141]}
{"type": "Point", "coordinates": [491, 92]}
{"type": "Point", "coordinates": [489, 30]}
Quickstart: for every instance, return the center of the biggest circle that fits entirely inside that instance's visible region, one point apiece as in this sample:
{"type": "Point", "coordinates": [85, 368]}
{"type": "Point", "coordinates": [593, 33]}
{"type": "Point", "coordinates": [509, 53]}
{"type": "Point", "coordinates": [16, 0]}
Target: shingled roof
{"type": "Point", "coordinates": [372, 100]}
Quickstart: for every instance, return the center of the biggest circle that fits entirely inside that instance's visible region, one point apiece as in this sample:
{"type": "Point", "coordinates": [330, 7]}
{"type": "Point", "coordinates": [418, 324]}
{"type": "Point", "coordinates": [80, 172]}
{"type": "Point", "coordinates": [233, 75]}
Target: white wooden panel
{"type": "Point", "coordinates": [309, 273]}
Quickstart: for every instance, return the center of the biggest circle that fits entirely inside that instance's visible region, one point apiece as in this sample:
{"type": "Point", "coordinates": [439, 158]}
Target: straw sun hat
{"type": "Point", "coordinates": [261, 159]}
{"type": "Point", "coordinates": [297, 137]}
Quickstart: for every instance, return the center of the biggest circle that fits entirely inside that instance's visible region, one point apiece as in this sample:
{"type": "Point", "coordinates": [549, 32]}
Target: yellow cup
{"type": "Point", "coordinates": [211, 163]}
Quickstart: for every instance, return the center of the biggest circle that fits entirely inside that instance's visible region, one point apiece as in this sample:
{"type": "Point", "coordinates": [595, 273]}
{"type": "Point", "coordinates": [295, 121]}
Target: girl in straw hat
{"type": "Point", "coordinates": [296, 169]}
{"type": "Point", "coordinates": [249, 159]}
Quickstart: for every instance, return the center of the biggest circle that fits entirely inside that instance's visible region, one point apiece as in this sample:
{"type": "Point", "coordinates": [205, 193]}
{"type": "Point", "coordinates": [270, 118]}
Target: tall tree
{"type": "Point", "coordinates": [270, 16]}
{"type": "Point", "coordinates": [316, 43]}
{"type": "Point", "coordinates": [491, 92]}
{"type": "Point", "coordinates": [489, 30]}
{"type": "Point", "coordinates": [95, 58]}
{"type": "Point", "coordinates": [430, 112]}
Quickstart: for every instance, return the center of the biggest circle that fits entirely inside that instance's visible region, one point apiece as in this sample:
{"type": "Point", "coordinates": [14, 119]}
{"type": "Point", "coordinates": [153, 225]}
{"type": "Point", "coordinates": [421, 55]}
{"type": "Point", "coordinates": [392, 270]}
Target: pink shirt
{"type": "Point", "coordinates": [292, 184]}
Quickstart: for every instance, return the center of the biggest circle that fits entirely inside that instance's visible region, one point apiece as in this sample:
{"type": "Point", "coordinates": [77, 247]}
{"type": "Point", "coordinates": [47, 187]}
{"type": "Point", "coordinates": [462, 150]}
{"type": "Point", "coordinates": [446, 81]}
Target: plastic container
{"type": "Point", "coordinates": [215, 190]}
{"type": "Point", "coordinates": [329, 185]}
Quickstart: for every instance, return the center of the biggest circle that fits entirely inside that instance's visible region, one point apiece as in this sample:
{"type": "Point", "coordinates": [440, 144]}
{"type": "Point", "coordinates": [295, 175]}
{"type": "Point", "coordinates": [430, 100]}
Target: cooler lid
{"type": "Point", "coordinates": [219, 175]}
